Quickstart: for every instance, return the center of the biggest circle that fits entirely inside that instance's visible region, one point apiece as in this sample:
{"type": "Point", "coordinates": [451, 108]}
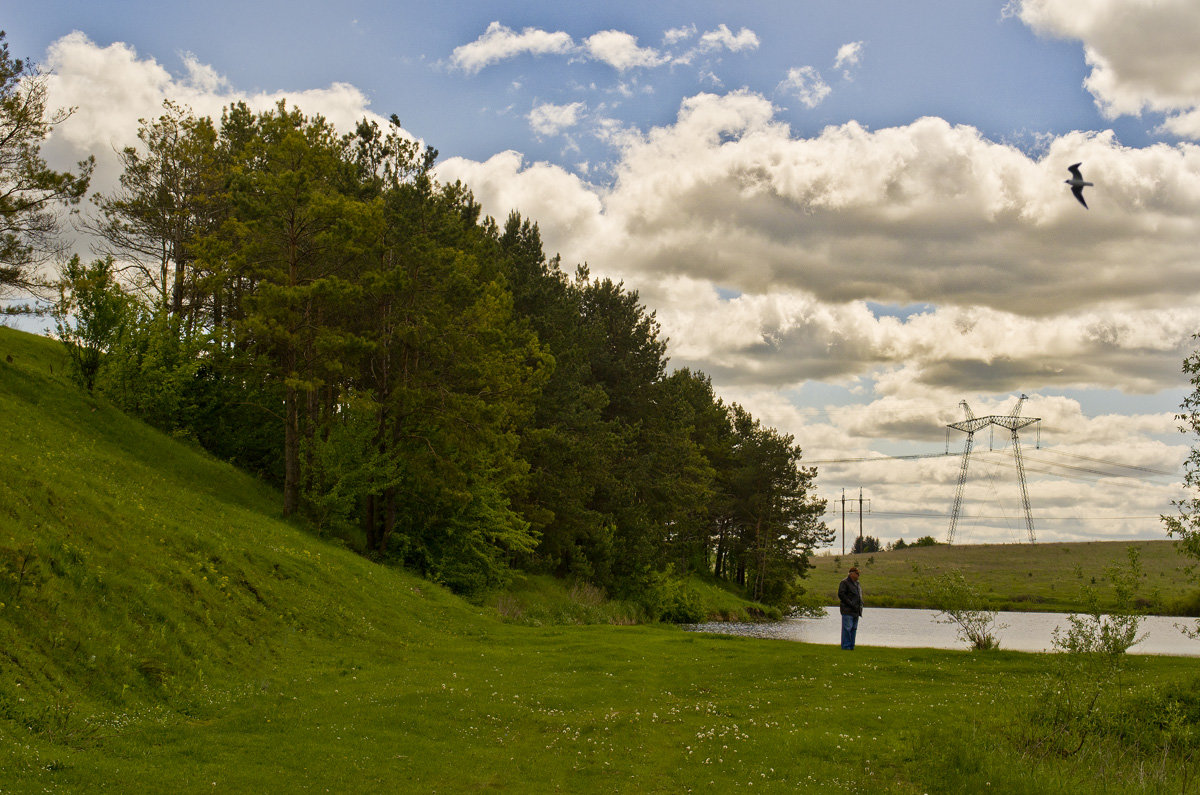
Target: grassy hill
{"type": "Point", "coordinates": [163, 630]}
{"type": "Point", "coordinates": [1044, 577]}
{"type": "Point", "coordinates": [1017, 577]}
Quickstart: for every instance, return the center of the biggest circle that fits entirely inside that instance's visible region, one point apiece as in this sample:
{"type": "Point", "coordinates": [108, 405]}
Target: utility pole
{"type": "Point", "coordinates": [843, 521]}
{"type": "Point", "coordinates": [860, 519]}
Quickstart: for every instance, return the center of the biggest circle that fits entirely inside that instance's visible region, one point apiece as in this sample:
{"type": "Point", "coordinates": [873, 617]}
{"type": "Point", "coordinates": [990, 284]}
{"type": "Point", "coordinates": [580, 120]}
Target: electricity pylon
{"type": "Point", "coordinates": [1013, 422]}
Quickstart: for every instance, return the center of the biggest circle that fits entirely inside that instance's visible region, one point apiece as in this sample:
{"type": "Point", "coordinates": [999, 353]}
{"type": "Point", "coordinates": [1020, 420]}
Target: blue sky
{"type": "Point", "coordinates": [851, 215]}
{"type": "Point", "coordinates": [964, 62]}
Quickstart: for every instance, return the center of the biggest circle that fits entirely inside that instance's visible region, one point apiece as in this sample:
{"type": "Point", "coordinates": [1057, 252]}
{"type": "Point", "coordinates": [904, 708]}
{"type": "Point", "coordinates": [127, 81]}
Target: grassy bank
{"type": "Point", "coordinates": [543, 600]}
{"type": "Point", "coordinates": [1044, 577]}
{"type": "Point", "coordinates": [163, 630]}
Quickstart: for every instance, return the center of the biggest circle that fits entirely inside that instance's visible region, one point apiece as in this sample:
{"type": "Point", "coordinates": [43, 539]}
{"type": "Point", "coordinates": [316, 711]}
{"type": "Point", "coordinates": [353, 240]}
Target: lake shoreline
{"type": "Point", "coordinates": [1025, 631]}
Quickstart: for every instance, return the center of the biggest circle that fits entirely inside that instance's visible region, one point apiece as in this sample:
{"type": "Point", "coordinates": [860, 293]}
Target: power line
{"type": "Point", "coordinates": [930, 515]}
{"type": "Point", "coordinates": [874, 458]}
{"type": "Point", "coordinates": [1112, 463]}
{"type": "Point", "coordinates": [1099, 473]}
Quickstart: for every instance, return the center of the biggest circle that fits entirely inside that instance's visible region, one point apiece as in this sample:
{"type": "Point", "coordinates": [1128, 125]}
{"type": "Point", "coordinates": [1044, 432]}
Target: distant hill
{"type": "Point", "coordinates": [1039, 576]}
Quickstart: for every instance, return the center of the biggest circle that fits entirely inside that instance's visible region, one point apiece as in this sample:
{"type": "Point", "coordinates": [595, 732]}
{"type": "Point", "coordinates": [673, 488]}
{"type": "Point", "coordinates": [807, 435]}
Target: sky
{"type": "Point", "coordinates": [851, 215]}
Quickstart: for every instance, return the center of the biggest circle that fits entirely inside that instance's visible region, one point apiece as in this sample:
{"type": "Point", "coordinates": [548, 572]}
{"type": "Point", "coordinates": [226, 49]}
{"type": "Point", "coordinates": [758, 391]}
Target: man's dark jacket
{"type": "Point", "coordinates": [850, 595]}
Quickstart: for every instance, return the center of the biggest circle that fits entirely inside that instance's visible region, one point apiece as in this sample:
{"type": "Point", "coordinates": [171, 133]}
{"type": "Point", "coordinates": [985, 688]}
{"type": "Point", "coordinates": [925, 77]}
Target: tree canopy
{"type": "Point", "coordinates": [420, 380]}
{"type": "Point", "coordinates": [30, 193]}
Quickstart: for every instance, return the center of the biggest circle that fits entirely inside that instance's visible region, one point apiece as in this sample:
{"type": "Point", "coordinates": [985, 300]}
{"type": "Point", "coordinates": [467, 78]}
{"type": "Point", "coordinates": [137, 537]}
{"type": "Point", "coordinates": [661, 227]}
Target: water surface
{"type": "Point", "coordinates": [910, 628]}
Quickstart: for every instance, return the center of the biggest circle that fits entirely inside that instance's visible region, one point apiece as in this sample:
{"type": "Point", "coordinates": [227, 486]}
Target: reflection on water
{"type": "Point", "coordinates": [906, 628]}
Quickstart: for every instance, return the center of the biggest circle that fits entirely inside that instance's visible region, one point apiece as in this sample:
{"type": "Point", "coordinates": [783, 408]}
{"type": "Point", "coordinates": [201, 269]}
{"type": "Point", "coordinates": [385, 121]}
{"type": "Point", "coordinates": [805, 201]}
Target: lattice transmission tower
{"type": "Point", "coordinates": [1013, 422]}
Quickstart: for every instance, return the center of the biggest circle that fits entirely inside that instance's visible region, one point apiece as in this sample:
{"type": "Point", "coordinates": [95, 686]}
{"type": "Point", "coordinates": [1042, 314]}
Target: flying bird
{"type": "Point", "coordinates": [1077, 184]}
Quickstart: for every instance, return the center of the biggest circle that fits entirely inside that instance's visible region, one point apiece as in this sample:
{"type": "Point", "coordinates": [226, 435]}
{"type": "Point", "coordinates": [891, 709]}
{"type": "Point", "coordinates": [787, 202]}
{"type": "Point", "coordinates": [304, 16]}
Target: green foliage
{"type": "Point", "coordinates": [1184, 525]}
{"type": "Point", "coordinates": [866, 544]}
{"type": "Point", "coordinates": [926, 541]}
{"type": "Point", "coordinates": [150, 370]}
{"type": "Point", "coordinates": [1107, 632]}
{"type": "Point", "coordinates": [667, 597]}
{"type": "Point", "coordinates": [30, 193]}
{"type": "Point", "coordinates": [959, 603]}
{"type": "Point", "coordinates": [541, 600]}
{"type": "Point", "coordinates": [424, 385]}
{"type": "Point", "coordinates": [89, 315]}
{"type": "Point", "coordinates": [169, 200]}
{"type": "Point", "coordinates": [1082, 693]}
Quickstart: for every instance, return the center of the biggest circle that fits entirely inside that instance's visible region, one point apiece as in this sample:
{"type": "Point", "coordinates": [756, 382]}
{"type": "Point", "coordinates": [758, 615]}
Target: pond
{"type": "Point", "coordinates": [908, 628]}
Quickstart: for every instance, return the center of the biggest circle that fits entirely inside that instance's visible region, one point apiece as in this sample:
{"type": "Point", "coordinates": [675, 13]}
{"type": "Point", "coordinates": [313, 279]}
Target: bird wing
{"type": "Point", "coordinates": [1075, 171]}
{"type": "Point", "coordinates": [1078, 191]}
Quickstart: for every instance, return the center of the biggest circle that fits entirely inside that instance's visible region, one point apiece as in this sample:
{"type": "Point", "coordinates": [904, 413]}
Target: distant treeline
{"type": "Point", "coordinates": [418, 380]}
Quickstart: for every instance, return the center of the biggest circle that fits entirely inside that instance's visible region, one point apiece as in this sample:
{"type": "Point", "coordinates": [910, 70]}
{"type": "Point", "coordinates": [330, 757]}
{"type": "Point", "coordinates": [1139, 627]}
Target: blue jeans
{"type": "Point", "coordinates": [849, 630]}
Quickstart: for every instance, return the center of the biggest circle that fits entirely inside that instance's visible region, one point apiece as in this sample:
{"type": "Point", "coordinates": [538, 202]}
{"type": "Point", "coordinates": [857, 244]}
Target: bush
{"type": "Point", "coordinates": [666, 597]}
{"type": "Point", "coordinates": [1080, 699]}
{"type": "Point", "coordinates": [88, 315]}
{"type": "Point", "coordinates": [960, 604]}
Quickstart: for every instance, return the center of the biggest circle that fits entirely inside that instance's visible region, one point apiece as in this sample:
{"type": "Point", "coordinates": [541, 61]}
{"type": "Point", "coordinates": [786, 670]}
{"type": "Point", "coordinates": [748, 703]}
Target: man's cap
{"type": "Point", "coordinates": [854, 569]}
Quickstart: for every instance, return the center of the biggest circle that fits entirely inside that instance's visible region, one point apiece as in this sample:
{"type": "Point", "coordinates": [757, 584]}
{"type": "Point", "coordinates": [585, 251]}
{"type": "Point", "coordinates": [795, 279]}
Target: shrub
{"type": "Point", "coordinates": [1080, 698]}
{"type": "Point", "coordinates": [960, 604]}
{"type": "Point", "coordinates": [666, 597]}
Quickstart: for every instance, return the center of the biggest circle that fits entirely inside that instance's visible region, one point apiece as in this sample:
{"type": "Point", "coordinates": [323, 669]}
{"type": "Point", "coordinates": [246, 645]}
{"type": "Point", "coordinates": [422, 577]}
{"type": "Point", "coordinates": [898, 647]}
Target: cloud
{"type": "Point", "coordinates": [767, 257]}
{"type": "Point", "coordinates": [616, 48]}
{"type": "Point", "coordinates": [805, 84]}
{"type": "Point", "coordinates": [550, 119]}
{"type": "Point", "coordinates": [499, 43]}
{"type": "Point", "coordinates": [848, 55]}
{"type": "Point", "coordinates": [717, 40]}
{"type": "Point", "coordinates": [620, 50]}
{"type": "Point", "coordinates": [1081, 461]}
{"type": "Point", "coordinates": [545, 193]}
{"type": "Point", "coordinates": [676, 35]}
{"type": "Point", "coordinates": [1024, 287]}
{"type": "Point", "coordinates": [111, 87]}
{"type": "Point", "coordinates": [722, 38]}
{"type": "Point", "coordinates": [1141, 54]}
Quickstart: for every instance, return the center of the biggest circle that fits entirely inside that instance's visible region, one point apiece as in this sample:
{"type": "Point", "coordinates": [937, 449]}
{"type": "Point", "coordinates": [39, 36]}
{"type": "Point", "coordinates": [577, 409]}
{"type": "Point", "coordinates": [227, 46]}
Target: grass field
{"type": "Point", "coordinates": [1016, 576]}
{"type": "Point", "coordinates": [163, 630]}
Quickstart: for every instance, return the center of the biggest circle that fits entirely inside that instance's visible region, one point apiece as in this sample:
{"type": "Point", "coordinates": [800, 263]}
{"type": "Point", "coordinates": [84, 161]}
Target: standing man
{"type": "Point", "coordinates": [850, 597]}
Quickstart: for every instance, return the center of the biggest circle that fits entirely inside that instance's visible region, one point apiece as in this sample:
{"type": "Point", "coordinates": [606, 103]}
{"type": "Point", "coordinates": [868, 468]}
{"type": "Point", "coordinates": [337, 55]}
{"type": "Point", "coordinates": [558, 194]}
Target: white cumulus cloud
{"type": "Point", "coordinates": [676, 35]}
{"type": "Point", "coordinates": [620, 50]}
{"type": "Point", "coordinates": [550, 119]}
{"type": "Point", "coordinates": [722, 38]}
{"type": "Point", "coordinates": [848, 55]}
{"type": "Point", "coordinates": [805, 84]}
{"type": "Point", "coordinates": [1023, 286]}
{"type": "Point", "coordinates": [1142, 54]}
{"type": "Point", "coordinates": [112, 87]}
{"type": "Point", "coordinates": [500, 43]}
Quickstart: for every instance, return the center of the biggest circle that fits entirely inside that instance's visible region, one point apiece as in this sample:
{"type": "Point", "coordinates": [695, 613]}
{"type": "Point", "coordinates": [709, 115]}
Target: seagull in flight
{"type": "Point", "coordinates": [1077, 184]}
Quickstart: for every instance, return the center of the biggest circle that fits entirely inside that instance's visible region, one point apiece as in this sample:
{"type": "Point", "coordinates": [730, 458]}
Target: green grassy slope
{"type": "Point", "coordinates": [164, 631]}
{"type": "Point", "coordinates": [1016, 576]}
{"type": "Point", "coordinates": [137, 572]}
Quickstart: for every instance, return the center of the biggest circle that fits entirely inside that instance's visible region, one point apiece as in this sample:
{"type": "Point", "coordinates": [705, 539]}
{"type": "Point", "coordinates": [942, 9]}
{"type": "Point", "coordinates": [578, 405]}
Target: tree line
{"type": "Point", "coordinates": [418, 379]}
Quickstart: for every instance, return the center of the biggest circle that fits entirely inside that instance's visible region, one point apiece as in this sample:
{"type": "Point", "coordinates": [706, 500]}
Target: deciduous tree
{"type": "Point", "coordinates": [30, 193]}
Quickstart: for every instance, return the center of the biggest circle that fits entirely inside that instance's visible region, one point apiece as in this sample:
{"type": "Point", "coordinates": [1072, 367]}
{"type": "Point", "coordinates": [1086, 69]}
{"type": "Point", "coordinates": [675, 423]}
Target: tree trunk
{"type": "Point", "coordinates": [291, 452]}
{"type": "Point", "coordinates": [370, 522]}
